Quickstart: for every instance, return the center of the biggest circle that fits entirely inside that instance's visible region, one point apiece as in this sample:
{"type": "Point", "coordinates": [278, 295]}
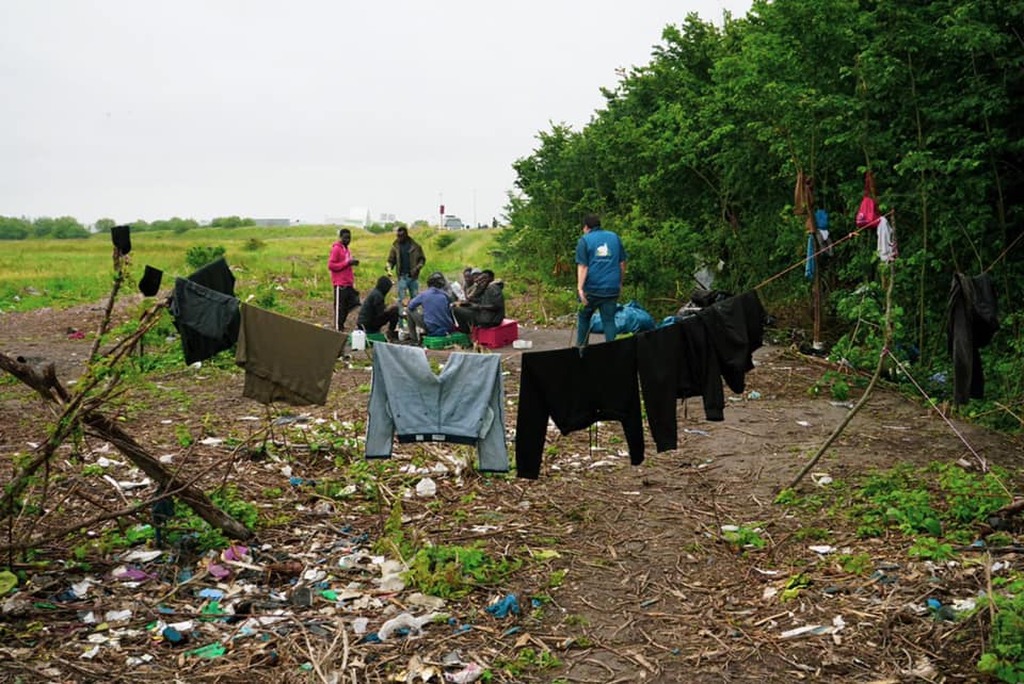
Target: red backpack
{"type": "Point", "coordinates": [868, 214]}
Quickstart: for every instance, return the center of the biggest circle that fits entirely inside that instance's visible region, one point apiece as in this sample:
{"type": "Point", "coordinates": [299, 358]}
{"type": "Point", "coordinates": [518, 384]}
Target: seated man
{"type": "Point", "coordinates": [435, 316]}
{"type": "Point", "coordinates": [374, 312]}
{"type": "Point", "coordinates": [486, 312]}
{"type": "Point", "coordinates": [474, 287]}
{"type": "Point", "coordinates": [457, 289]}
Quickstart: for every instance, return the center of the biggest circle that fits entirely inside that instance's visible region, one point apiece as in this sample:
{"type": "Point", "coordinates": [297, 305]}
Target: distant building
{"type": "Point", "coordinates": [273, 222]}
{"type": "Point", "coordinates": [386, 218]}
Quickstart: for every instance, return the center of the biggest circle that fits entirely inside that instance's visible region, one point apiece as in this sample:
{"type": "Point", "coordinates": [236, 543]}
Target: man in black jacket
{"type": "Point", "coordinates": [486, 312]}
{"type": "Point", "coordinates": [375, 313]}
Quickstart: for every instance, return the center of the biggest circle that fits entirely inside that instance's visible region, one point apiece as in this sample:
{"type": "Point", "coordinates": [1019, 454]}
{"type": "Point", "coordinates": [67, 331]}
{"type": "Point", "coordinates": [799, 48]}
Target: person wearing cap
{"type": "Point", "coordinates": [430, 310]}
{"type": "Point", "coordinates": [474, 285]}
{"type": "Point", "coordinates": [488, 310]}
{"type": "Point", "coordinates": [406, 257]}
{"type": "Point", "coordinates": [340, 264]}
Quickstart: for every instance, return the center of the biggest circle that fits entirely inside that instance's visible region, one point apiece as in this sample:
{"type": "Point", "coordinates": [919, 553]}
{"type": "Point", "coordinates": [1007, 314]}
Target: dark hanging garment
{"type": "Point", "coordinates": [149, 285]}
{"type": "Point", "coordinates": [217, 276]}
{"type": "Point", "coordinates": [659, 354]}
{"type": "Point", "coordinates": [121, 236]}
{"type": "Point", "coordinates": [286, 359]}
{"type": "Point", "coordinates": [576, 388]}
{"type": "Point", "coordinates": [972, 322]}
{"type": "Point", "coordinates": [736, 330]}
{"type": "Point", "coordinates": [207, 320]}
{"type": "Point", "coordinates": [699, 374]}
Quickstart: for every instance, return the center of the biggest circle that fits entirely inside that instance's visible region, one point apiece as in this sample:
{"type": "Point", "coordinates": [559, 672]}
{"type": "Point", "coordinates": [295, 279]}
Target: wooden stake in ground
{"type": "Point", "coordinates": [887, 340]}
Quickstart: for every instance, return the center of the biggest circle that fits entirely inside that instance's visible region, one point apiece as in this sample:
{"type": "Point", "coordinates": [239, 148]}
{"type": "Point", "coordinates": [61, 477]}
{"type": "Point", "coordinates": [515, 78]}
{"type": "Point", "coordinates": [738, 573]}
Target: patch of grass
{"type": "Point", "coordinates": [454, 571]}
{"type": "Point", "coordinates": [527, 660]}
{"type": "Point", "coordinates": [556, 578]}
{"type": "Point", "coordinates": [855, 564]}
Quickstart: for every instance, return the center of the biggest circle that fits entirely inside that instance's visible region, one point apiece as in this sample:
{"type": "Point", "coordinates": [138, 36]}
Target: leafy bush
{"type": "Point", "coordinates": [198, 256]}
{"type": "Point", "coordinates": [444, 240]}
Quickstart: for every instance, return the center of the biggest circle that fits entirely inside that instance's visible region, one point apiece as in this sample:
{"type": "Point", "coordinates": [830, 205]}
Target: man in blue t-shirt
{"type": "Point", "coordinates": [436, 315]}
{"type": "Point", "coordinates": [600, 268]}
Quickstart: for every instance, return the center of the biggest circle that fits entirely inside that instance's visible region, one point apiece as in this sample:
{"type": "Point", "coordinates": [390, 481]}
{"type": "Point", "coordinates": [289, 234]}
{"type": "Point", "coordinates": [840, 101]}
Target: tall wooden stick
{"type": "Point", "coordinates": [887, 339]}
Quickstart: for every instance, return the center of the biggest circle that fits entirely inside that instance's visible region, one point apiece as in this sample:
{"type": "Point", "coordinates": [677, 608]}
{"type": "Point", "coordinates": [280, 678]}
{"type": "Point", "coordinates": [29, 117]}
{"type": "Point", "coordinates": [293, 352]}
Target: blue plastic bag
{"type": "Point", "coordinates": [629, 318]}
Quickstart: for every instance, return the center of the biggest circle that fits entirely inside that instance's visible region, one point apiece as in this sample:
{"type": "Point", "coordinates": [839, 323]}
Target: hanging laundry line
{"type": "Point", "coordinates": [854, 233]}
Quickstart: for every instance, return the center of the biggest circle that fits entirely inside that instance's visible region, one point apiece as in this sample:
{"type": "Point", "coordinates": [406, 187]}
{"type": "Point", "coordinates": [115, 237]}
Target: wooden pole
{"type": "Point", "coordinates": [887, 340]}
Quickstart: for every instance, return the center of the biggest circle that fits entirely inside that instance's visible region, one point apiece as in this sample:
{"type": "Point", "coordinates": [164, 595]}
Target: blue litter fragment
{"type": "Point", "coordinates": [511, 630]}
{"type": "Point", "coordinates": [934, 604]}
{"type": "Point", "coordinates": [172, 635]}
{"type": "Point", "coordinates": [370, 638]}
{"type": "Point", "coordinates": [536, 603]}
{"type": "Point", "coordinates": [215, 594]}
{"type": "Point", "coordinates": [164, 610]}
{"type": "Point", "coordinates": [502, 608]}
{"type": "Point", "coordinates": [462, 629]}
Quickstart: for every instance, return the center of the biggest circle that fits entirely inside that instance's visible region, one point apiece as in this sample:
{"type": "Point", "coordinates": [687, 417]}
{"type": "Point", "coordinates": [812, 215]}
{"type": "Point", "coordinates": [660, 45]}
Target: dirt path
{"type": "Point", "coordinates": [637, 581]}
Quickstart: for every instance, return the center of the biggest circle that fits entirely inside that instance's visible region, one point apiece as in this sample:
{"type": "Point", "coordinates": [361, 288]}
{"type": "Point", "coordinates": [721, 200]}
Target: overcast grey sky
{"type": "Point", "coordinates": [304, 109]}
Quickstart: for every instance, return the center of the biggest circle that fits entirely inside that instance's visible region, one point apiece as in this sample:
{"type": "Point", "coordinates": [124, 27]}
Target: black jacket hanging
{"type": "Point", "coordinates": [576, 388]}
{"type": "Point", "coordinates": [972, 322]}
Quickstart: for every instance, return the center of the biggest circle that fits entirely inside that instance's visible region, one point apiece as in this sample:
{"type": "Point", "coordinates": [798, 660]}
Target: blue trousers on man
{"type": "Point", "coordinates": [606, 307]}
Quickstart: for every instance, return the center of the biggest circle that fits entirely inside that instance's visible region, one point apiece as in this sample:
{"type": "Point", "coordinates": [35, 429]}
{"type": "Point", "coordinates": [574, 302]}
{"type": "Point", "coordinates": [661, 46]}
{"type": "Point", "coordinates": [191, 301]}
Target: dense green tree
{"type": "Point", "coordinates": [694, 156]}
{"type": "Point", "coordinates": [232, 222]}
{"type": "Point", "coordinates": [12, 228]}
{"type": "Point", "coordinates": [104, 225]}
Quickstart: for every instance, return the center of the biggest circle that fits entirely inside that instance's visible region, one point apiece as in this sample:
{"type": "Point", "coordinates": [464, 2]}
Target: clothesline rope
{"type": "Point", "coordinates": [981, 461]}
{"type": "Point", "coordinates": [1004, 253]}
{"type": "Point", "coordinates": [803, 261]}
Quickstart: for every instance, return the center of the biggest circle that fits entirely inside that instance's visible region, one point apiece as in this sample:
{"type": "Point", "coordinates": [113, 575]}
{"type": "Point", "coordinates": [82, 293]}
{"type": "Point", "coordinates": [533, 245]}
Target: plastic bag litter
{"type": "Point", "coordinates": [405, 621]}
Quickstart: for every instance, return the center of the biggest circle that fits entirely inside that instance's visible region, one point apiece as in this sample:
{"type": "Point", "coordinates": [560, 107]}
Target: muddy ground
{"type": "Point", "coordinates": [626, 575]}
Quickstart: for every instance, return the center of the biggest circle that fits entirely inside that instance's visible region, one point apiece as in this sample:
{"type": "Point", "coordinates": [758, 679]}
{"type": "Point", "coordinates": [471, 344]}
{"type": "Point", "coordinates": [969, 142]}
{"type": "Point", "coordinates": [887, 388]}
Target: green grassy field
{"type": "Point", "coordinates": [62, 273]}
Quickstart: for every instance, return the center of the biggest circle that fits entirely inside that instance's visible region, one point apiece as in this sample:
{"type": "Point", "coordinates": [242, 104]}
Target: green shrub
{"type": "Point", "coordinates": [198, 256]}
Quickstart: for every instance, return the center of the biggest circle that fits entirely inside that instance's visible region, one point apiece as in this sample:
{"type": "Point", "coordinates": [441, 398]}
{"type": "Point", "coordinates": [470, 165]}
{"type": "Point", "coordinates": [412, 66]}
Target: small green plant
{"type": "Point", "coordinates": [855, 564]}
{"type": "Point", "coordinates": [1004, 657]}
{"type": "Point", "coordinates": [527, 659]}
{"type": "Point", "coordinates": [454, 571]}
{"type": "Point", "coordinates": [556, 578]}
{"type": "Point", "coordinates": [794, 585]}
{"type": "Point", "coordinates": [183, 435]}
{"type": "Point", "coordinates": [930, 548]}
{"type": "Point", "coordinates": [745, 536]}
{"type": "Point", "coordinates": [198, 256]}
{"type": "Point", "coordinates": [254, 245]}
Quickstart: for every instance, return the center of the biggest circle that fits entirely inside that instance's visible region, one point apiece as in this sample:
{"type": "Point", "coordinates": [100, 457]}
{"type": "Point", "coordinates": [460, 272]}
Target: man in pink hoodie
{"type": "Point", "coordinates": [340, 264]}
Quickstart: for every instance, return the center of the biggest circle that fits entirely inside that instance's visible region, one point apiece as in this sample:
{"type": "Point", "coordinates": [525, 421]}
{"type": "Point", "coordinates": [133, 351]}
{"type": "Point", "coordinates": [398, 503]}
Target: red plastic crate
{"type": "Point", "coordinates": [498, 336]}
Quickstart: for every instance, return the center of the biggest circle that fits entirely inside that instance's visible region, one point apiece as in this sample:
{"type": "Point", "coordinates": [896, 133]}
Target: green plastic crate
{"type": "Point", "coordinates": [375, 337]}
{"type": "Point", "coordinates": [453, 340]}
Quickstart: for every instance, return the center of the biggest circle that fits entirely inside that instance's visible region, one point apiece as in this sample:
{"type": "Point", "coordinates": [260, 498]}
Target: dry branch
{"type": "Point", "coordinates": [44, 380]}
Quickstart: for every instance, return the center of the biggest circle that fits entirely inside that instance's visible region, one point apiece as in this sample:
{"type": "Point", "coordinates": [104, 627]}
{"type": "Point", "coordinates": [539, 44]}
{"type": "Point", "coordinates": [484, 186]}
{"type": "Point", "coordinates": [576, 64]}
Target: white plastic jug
{"type": "Point", "coordinates": [357, 340]}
